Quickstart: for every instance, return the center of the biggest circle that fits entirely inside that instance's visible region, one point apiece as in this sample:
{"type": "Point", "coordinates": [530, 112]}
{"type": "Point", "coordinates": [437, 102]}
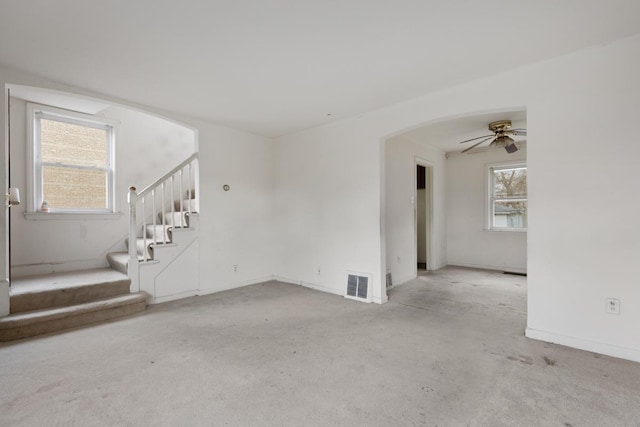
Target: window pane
{"type": "Point", "coordinates": [510, 182]}
{"type": "Point", "coordinates": [72, 144]}
{"type": "Point", "coordinates": [68, 188]}
{"type": "Point", "coordinates": [510, 214]}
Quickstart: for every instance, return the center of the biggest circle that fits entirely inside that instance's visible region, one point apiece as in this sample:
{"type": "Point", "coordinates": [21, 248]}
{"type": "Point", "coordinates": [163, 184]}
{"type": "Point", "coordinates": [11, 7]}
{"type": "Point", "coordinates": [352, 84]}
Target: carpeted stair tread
{"type": "Point", "coordinates": [22, 325]}
{"type": "Point", "coordinates": [162, 233]}
{"type": "Point", "coordinates": [120, 261]}
{"type": "Point", "coordinates": [187, 205]}
{"type": "Point", "coordinates": [60, 289]}
{"type": "Point", "coordinates": [69, 279]}
{"type": "Point", "coordinates": [177, 219]}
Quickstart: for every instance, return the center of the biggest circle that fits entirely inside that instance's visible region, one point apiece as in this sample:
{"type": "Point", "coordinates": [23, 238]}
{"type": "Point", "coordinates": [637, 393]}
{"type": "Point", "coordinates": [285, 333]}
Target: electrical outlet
{"type": "Point", "coordinates": [613, 306]}
{"type": "Point", "coordinates": [318, 272]}
{"type": "Point", "coordinates": [235, 268]}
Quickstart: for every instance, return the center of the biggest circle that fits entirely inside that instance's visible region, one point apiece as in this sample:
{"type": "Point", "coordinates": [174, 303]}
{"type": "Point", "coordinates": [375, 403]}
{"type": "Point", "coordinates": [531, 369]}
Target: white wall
{"type": "Point", "coordinates": [400, 167]}
{"type": "Point", "coordinates": [146, 147]}
{"type": "Point", "coordinates": [235, 225]}
{"type": "Point", "coordinates": [469, 243]}
{"type": "Point", "coordinates": [582, 113]}
{"type": "Point", "coordinates": [327, 204]}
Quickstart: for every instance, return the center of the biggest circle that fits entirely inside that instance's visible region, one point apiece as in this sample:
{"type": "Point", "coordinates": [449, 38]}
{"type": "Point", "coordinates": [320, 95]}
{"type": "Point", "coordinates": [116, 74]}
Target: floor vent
{"type": "Point", "coordinates": [358, 287]}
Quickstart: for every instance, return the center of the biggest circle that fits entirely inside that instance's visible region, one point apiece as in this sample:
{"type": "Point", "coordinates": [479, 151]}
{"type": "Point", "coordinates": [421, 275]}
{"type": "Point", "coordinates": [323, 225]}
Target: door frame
{"type": "Point", "coordinates": [5, 214]}
{"type": "Point", "coordinates": [429, 166]}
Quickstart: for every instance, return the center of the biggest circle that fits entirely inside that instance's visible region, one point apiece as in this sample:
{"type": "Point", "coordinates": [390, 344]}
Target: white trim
{"type": "Point", "coordinates": [308, 285]}
{"type": "Point", "coordinates": [72, 216]}
{"type": "Point", "coordinates": [172, 297]}
{"type": "Point", "coordinates": [628, 353]}
{"type": "Point", "coordinates": [403, 281]}
{"type": "Point", "coordinates": [504, 268]}
{"type": "Point", "coordinates": [34, 198]}
{"type": "Point", "coordinates": [237, 285]}
{"type": "Point", "coordinates": [430, 166]}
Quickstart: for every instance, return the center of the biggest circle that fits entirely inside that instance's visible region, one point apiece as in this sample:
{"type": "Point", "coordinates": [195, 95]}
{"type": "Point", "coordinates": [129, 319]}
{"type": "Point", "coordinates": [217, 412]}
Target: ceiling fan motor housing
{"type": "Point", "coordinates": [501, 136]}
{"type": "Point", "coordinates": [500, 126]}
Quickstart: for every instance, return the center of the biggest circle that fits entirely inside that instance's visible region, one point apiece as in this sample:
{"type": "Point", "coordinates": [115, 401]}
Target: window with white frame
{"type": "Point", "coordinates": [71, 161]}
{"type": "Point", "coordinates": [508, 197]}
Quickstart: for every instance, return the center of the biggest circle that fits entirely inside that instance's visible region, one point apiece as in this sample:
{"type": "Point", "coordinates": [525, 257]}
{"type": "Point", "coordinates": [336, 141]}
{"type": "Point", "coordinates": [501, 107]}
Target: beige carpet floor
{"type": "Point", "coordinates": [447, 350]}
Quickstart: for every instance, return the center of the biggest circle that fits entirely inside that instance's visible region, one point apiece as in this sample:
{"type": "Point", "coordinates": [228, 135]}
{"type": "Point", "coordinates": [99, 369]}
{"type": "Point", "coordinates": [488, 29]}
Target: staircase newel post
{"type": "Point", "coordinates": [133, 235]}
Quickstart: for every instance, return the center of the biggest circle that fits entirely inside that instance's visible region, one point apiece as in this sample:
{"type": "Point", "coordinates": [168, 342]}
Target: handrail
{"type": "Point", "coordinates": [167, 175]}
{"type": "Point", "coordinates": [150, 193]}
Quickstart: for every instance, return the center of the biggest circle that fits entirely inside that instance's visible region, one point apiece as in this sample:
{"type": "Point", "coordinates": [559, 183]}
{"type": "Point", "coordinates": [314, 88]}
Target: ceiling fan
{"type": "Point", "coordinates": [500, 138]}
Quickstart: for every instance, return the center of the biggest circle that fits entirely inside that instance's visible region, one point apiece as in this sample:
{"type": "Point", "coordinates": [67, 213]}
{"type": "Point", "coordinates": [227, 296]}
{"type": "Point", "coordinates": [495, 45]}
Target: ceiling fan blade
{"type": "Point", "coordinates": [476, 144]}
{"type": "Point", "coordinates": [520, 132]}
{"type": "Point", "coordinates": [473, 139]}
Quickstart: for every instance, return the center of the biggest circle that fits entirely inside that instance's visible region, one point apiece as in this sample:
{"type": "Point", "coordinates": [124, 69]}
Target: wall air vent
{"type": "Point", "coordinates": [358, 287]}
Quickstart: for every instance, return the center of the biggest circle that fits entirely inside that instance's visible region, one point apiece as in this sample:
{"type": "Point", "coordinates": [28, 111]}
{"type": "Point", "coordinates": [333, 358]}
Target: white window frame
{"type": "Point", "coordinates": [35, 112]}
{"type": "Point", "coordinates": [491, 199]}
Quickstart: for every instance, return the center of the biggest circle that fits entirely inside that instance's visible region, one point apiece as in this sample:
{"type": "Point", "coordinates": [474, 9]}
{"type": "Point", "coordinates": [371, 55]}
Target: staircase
{"type": "Point", "coordinates": [162, 247]}
{"type": "Point", "coordinates": [154, 241]}
{"type": "Point", "coordinates": [160, 265]}
{"type": "Point", "coordinates": [43, 304]}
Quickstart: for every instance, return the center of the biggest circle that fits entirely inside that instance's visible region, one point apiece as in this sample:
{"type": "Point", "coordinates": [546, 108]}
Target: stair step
{"type": "Point", "coordinates": [28, 324]}
{"type": "Point", "coordinates": [162, 233]}
{"type": "Point", "coordinates": [176, 218]}
{"type": "Point", "coordinates": [120, 261]}
{"type": "Point", "coordinates": [187, 205]}
{"type": "Point", "coordinates": [60, 289]}
{"type": "Point", "coordinates": [141, 248]}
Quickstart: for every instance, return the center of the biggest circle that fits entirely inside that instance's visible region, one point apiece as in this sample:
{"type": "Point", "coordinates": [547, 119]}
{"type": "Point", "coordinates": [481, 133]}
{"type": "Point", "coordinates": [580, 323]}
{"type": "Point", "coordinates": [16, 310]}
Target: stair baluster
{"type": "Point", "coordinates": [181, 201]}
{"type": "Point", "coordinates": [164, 221]}
{"type": "Point", "coordinates": [173, 206]}
{"type": "Point", "coordinates": [189, 194]}
{"type": "Point", "coordinates": [132, 264]}
{"type": "Point", "coordinates": [190, 164]}
{"type": "Point", "coordinates": [153, 197]}
{"type": "Point", "coordinates": [144, 234]}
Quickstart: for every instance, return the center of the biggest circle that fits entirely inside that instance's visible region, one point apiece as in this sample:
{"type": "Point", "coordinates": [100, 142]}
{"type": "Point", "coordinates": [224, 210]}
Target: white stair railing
{"type": "Point", "coordinates": [185, 174]}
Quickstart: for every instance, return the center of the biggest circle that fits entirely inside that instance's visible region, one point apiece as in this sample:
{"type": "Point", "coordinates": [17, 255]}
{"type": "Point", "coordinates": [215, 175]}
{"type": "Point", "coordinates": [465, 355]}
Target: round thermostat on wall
{"type": "Point", "coordinates": [226, 187]}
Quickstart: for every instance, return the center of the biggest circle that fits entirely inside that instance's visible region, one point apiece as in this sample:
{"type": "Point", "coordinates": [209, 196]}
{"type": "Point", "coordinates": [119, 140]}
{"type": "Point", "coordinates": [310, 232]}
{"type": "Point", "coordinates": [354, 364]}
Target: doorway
{"type": "Point", "coordinates": [423, 216]}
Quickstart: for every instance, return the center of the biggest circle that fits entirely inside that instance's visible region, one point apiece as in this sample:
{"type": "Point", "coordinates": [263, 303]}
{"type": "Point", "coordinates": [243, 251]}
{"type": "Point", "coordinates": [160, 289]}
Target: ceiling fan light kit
{"type": "Point", "coordinates": [501, 136]}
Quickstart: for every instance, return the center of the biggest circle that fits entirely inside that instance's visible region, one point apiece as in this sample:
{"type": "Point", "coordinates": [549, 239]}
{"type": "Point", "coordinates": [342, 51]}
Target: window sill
{"type": "Point", "coordinates": [509, 230]}
{"type": "Point", "coordinates": [72, 216]}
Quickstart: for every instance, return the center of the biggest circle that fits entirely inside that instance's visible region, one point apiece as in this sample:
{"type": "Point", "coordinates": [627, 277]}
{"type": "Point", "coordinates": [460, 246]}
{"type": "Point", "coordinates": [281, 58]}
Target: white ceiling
{"type": "Point", "coordinates": [275, 67]}
{"type": "Point", "coordinates": [57, 99]}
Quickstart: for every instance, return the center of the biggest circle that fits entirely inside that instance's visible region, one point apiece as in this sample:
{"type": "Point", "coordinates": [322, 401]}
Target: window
{"type": "Point", "coordinates": [508, 197]}
{"type": "Point", "coordinates": [71, 162]}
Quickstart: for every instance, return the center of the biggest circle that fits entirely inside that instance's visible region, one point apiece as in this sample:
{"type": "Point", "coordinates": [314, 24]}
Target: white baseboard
{"type": "Point", "coordinates": [378, 300]}
{"type": "Point", "coordinates": [167, 298]}
{"type": "Point", "coordinates": [235, 285]}
{"type": "Point", "coordinates": [308, 285]}
{"type": "Point", "coordinates": [627, 353]}
{"type": "Point", "coordinates": [402, 281]}
{"type": "Point", "coordinates": [287, 280]}
{"type": "Point", "coordinates": [490, 267]}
